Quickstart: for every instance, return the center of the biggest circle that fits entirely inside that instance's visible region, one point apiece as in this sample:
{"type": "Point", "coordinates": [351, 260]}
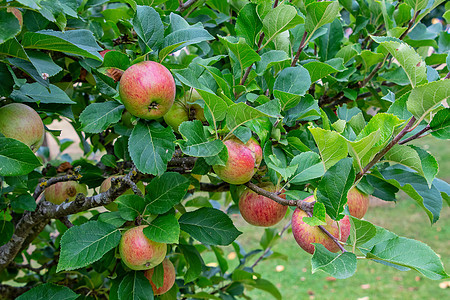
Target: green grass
{"type": "Point", "coordinates": [404, 218]}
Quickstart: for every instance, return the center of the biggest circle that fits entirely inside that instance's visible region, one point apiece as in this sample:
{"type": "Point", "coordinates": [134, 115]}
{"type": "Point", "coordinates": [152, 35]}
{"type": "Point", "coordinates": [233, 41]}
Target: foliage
{"type": "Point", "coordinates": [332, 90]}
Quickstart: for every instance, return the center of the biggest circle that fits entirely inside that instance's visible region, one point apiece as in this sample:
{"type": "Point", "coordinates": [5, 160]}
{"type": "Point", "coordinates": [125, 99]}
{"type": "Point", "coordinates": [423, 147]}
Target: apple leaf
{"type": "Point", "coordinates": [9, 24]}
{"type": "Point", "coordinates": [269, 59]}
{"type": "Point", "coordinates": [16, 158]}
{"type": "Point", "coordinates": [163, 229]}
{"type": "Point", "coordinates": [135, 286]}
{"type": "Point", "coordinates": [197, 144]}
{"type": "Point", "coordinates": [35, 92]}
{"type": "Point", "coordinates": [209, 226]}
{"type": "Point", "coordinates": [334, 186]}
{"type": "Point", "coordinates": [245, 55]}
{"type": "Point", "coordinates": [317, 70]}
{"type": "Point", "coordinates": [290, 84]}
{"type": "Point", "coordinates": [96, 117]}
{"type": "Point", "coordinates": [265, 285]}
{"type": "Point", "coordinates": [151, 146]}
{"type": "Point", "coordinates": [49, 291]}
{"type": "Point", "coordinates": [440, 125]}
{"type": "Point", "coordinates": [361, 231]}
{"type": "Point", "coordinates": [164, 191]}
{"type": "Point", "coordinates": [309, 167]}
{"type": "Point", "coordinates": [338, 265]}
{"type": "Point", "coordinates": [194, 262]}
{"type": "Point", "coordinates": [130, 206]}
{"type": "Point", "coordinates": [425, 97]}
{"type": "Point", "coordinates": [248, 23]}
{"type": "Point", "coordinates": [82, 245]}
{"type": "Point", "coordinates": [114, 218]}
{"type": "Point", "coordinates": [6, 231]}
{"type": "Point", "coordinates": [116, 59]}
{"type": "Point", "coordinates": [240, 113]}
{"type": "Point", "coordinates": [148, 26]}
{"type": "Point", "coordinates": [332, 146]}
{"type": "Point", "coordinates": [319, 14]}
{"type": "Point", "coordinates": [318, 217]}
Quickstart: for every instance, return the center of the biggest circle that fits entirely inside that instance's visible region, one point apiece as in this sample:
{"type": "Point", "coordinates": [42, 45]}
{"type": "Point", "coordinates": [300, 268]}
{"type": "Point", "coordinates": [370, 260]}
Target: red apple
{"type": "Point", "coordinates": [243, 161]}
{"type": "Point", "coordinates": [138, 252]}
{"type": "Point", "coordinates": [169, 277]}
{"type": "Point", "coordinates": [106, 184]}
{"type": "Point", "coordinates": [59, 192]}
{"type": "Point", "coordinates": [147, 90]}
{"type": "Point", "coordinates": [357, 202]}
{"type": "Point", "coordinates": [21, 122]}
{"type": "Point", "coordinates": [259, 210]}
{"type": "Point", "coordinates": [305, 234]}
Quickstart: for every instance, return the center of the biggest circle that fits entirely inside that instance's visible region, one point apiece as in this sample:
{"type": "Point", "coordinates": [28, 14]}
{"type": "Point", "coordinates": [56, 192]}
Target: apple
{"type": "Point", "coordinates": [21, 122]}
{"type": "Point", "coordinates": [305, 234]}
{"type": "Point", "coordinates": [176, 115]}
{"type": "Point", "coordinates": [357, 202]}
{"type": "Point", "coordinates": [147, 90]}
{"type": "Point", "coordinates": [60, 191]}
{"type": "Point", "coordinates": [127, 119]}
{"type": "Point", "coordinates": [106, 184]}
{"type": "Point", "coordinates": [243, 161]}
{"type": "Point", "coordinates": [169, 277]}
{"type": "Point", "coordinates": [138, 252]}
{"type": "Point", "coordinates": [259, 210]}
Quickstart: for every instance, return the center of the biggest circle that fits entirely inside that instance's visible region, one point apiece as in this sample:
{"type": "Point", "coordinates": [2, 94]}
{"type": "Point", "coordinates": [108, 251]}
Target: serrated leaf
{"type": "Point", "coordinates": [9, 24]}
{"type": "Point", "coordinates": [440, 124]}
{"type": "Point", "coordinates": [197, 144]}
{"type": "Point", "coordinates": [215, 104]}
{"type": "Point", "coordinates": [317, 70]}
{"type": "Point", "coordinates": [35, 92]}
{"type": "Point", "coordinates": [24, 202]}
{"type": "Point", "coordinates": [334, 186]}
{"type": "Point", "coordinates": [338, 265]}
{"type": "Point", "coordinates": [240, 113]}
{"type": "Point", "coordinates": [16, 158]}
{"type": "Point", "coordinates": [209, 226]}
{"type": "Point", "coordinates": [245, 55]}
{"type": "Point", "coordinates": [319, 14]}
{"type": "Point", "coordinates": [358, 149]}
{"type": "Point", "coordinates": [130, 206]}
{"type": "Point", "coordinates": [332, 146]}
{"type": "Point", "coordinates": [361, 231]}
{"type": "Point", "coordinates": [148, 26]}
{"type": "Point", "coordinates": [407, 57]}
{"type": "Point", "coordinates": [82, 245]}
{"type": "Point", "coordinates": [96, 117]}
{"type": "Point", "coordinates": [417, 4]}
{"type": "Point", "coordinates": [248, 23]}
{"type": "Point", "coordinates": [135, 286]}
{"type": "Point", "coordinates": [165, 191]}
{"type": "Point", "coordinates": [151, 146]}
{"type": "Point", "coordinates": [163, 229]}
{"type": "Point", "coordinates": [269, 59]}
{"type": "Point", "coordinates": [194, 262]}
{"type": "Point", "coordinates": [116, 59]}
{"type": "Point", "coordinates": [112, 218]}
{"type": "Point", "coordinates": [266, 286]}
{"type": "Point", "coordinates": [309, 167]}
{"type": "Point", "coordinates": [425, 97]}
{"type": "Point", "coordinates": [290, 84]}
{"type": "Point", "coordinates": [318, 217]}
{"type": "Point", "coordinates": [49, 291]}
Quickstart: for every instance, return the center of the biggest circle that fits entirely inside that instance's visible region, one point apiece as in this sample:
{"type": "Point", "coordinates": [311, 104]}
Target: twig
{"type": "Point", "coordinates": [300, 49]}
{"type": "Point", "coordinates": [66, 222]}
{"type": "Point", "coordinates": [46, 183]}
{"type": "Point", "coordinates": [12, 292]}
{"type": "Point", "coordinates": [186, 5]}
{"type": "Point", "coordinates": [415, 136]}
{"type": "Point", "coordinates": [335, 240]}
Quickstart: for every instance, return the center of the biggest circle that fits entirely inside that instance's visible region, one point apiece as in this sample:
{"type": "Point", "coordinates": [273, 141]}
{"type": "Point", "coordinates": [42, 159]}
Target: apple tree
{"type": "Point", "coordinates": [285, 111]}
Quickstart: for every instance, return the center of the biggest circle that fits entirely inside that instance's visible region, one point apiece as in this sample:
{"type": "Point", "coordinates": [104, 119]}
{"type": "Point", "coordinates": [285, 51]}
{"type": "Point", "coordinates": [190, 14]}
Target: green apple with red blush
{"type": "Point", "coordinates": [168, 279]}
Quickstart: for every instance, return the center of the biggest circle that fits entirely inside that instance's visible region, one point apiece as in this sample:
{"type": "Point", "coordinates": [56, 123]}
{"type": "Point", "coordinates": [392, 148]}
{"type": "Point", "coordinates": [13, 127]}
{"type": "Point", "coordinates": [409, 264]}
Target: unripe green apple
{"type": "Point", "coordinates": [243, 161]}
{"type": "Point", "coordinates": [106, 184]}
{"type": "Point", "coordinates": [21, 122]}
{"type": "Point", "coordinates": [176, 115]}
{"type": "Point", "coordinates": [169, 277]}
{"type": "Point", "coordinates": [305, 234]}
{"type": "Point", "coordinates": [60, 191]}
{"type": "Point", "coordinates": [357, 202]}
{"type": "Point", "coordinates": [147, 90]}
{"type": "Point", "coordinates": [259, 210]}
{"type": "Point", "coordinates": [138, 252]}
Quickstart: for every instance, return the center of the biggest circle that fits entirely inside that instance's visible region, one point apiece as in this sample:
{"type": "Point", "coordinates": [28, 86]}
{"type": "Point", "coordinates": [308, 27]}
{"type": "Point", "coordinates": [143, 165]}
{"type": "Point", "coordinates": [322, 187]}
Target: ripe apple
{"type": "Point", "coordinates": [147, 90]}
{"type": "Point", "coordinates": [357, 202]}
{"type": "Point", "coordinates": [59, 192]}
{"type": "Point", "coordinates": [138, 252]}
{"type": "Point", "coordinates": [106, 184]}
{"type": "Point", "coordinates": [21, 122]}
{"type": "Point", "coordinates": [259, 210]}
{"type": "Point", "coordinates": [305, 235]}
{"type": "Point", "coordinates": [169, 277]}
{"type": "Point", "coordinates": [243, 161]}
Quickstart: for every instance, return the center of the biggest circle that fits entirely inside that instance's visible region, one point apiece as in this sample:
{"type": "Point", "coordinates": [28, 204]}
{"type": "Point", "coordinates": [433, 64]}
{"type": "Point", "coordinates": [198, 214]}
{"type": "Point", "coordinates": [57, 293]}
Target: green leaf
{"type": "Point", "coordinates": [130, 206]}
{"type": "Point", "coordinates": [209, 226]}
{"type": "Point", "coordinates": [309, 167]}
{"type": "Point", "coordinates": [135, 286]}
{"type": "Point", "coordinates": [317, 70]}
{"type": "Point", "coordinates": [151, 146]}
{"type": "Point", "coordinates": [112, 218]}
{"type": "Point", "coordinates": [319, 215]}
{"type": "Point", "coordinates": [338, 265]}
{"type": "Point", "coordinates": [245, 55]}
{"type": "Point", "coordinates": [440, 124]}
{"type": "Point", "coordinates": [425, 97]}
{"type": "Point", "coordinates": [266, 286]}
{"type": "Point", "coordinates": [163, 229]}
{"type": "Point", "coordinates": [6, 231]}
{"type": "Point", "coordinates": [408, 58]}
{"type": "Point", "coordinates": [280, 19]}
{"type": "Point", "coordinates": [197, 144]}
{"type": "Point", "coordinates": [330, 42]}
{"type": "Point", "coordinates": [9, 24]}
{"type": "Point", "coordinates": [43, 63]}
{"type": "Point", "coordinates": [116, 59]}
{"type": "Point", "coordinates": [78, 42]}
{"type": "Point", "coordinates": [248, 24]}
{"type": "Point", "coordinates": [165, 191]}
{"type": "Point", "coordinates": [13, 48]}
{"type": "Point", "coordinates": [194, 262]}
{"type": "Point", "coordinates": [361, 231]}
{"type": "Point", "coordinates": [269, 59]}
{"type": "Point", "coordinates": [215, 104]}
{"type": "Point", "coordinates": [370, 58]}
{"type": "Point", "coordinates": [417, 4]}
{"type": "Point", "coordinates": [240, 113]}
{"type": "Point", "coordinates": [319, 14]}
{"type": "Point", "coordinates": [24, 202]}
{"type": "Point", "coordinates": [358, 149]}
{"type": "Point", "coordinates": [405, 252]}
{"type": "Point", "coordinates": [148, 26]}
{"type": "Point", "coordinates": [16, 158]}
{"type": "Point", "coordinates": [96, 117]}
{"type": "Point", "coordinates": [332, 146]}
{"type": "Point", "coordinates": [35, 92]}
{"type": "Point", "coordinates": [290, 85]}
{"type": "Point", "coordinates": [334, 186]}
{"type": "Point", "coordinates": [49, 291]}
{"type": "Point", "coordinates": [406, 156]}
{"type": "Point", "coordinates": [82, 245]}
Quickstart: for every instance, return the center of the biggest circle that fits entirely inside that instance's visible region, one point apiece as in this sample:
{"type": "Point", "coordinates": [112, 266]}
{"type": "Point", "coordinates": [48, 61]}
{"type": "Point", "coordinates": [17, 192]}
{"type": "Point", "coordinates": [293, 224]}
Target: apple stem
{"type": "Point", "coordinates": [335, 240]}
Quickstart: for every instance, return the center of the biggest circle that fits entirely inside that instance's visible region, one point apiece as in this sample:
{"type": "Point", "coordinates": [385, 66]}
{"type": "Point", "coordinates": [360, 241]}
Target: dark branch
{"type": "Point", "coordinates": [415, 136]}
{"type": "Point", "coordinates": [12, 292]}
{"type": "Point", "coordinates": [210, 187]}
{"type": "Point", "coordinates": [300, 49]}
{"type": "Point", "coordinates": [186, 5]}
{"type": "Point", "coordinates": [46, 183]}
{"type": "Point", "coordinates": [335, 240]}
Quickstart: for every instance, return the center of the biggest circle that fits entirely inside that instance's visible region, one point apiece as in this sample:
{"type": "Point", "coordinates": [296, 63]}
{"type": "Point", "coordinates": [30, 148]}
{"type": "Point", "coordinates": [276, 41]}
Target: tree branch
{"type": "Point", "coordinates": [300, 49]}
{"type": "Point", "coordinates": [12, 292]}
{"type": "Point", "coordinates": [415, 136]}
{"type": "Point", "coordinates": [186, 5]}
{"type": "Point", "coordinates": [335, 240]}
{"type": "Point", "coordinates": [43, 184]}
